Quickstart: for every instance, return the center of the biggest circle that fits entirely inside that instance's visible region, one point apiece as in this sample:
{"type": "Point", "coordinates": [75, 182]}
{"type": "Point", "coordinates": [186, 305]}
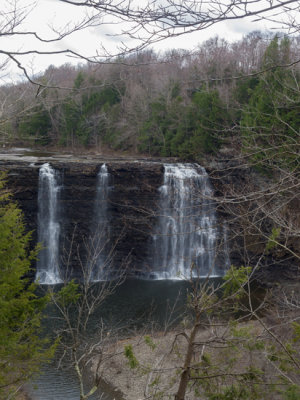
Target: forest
{"type": "Point", "coordinates": [244, 95]}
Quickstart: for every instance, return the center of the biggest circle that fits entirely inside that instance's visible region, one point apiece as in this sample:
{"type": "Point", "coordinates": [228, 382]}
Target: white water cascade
{"type": "Point", "coordinates": [186, 232]}
{"type": "Point", "coordinates": [48, 226]}
{"type": "Point", "coordinates": [100, 259]}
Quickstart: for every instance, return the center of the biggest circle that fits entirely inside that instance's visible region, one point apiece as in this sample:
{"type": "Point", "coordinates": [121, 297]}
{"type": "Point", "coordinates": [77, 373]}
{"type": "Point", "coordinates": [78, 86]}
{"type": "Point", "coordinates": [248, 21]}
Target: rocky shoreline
{"type": "Point", "coordinates": [160, 361]}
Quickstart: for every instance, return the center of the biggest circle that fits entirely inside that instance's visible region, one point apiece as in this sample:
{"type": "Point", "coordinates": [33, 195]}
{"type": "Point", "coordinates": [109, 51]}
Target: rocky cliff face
{"type": "Point", "coordinates": [131, 207]}
{"type": "Point", "coordinates": [253, 205]}
{"type": "Point", "coordinates": [132, 198]}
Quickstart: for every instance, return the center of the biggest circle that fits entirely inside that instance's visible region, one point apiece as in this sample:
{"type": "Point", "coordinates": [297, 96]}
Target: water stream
{"type": "Point", "coordinates": [101, 263]}
{"type": "Point", "coordinates": [184, 239]}
{"type": "Point", "coordinates": [134, 305]}
{"type": "Point", "coordinates": [186, 234]}
{"type": "Point", "coordinates": [48, 225]}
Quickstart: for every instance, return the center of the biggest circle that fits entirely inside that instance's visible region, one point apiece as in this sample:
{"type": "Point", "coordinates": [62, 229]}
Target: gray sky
{"type": "Point", "coordinates": [49, 13]}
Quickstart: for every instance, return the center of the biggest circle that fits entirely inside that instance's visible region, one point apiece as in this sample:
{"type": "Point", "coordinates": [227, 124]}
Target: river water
{"type": "Point", "coordinates": [185, 234]}
{"type": "Point", "coordinates": [134, 304]}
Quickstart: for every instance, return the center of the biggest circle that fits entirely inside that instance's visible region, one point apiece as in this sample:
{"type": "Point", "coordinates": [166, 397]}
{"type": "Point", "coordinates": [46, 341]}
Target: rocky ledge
{"type": "Point", "coordinates": [133, 204]}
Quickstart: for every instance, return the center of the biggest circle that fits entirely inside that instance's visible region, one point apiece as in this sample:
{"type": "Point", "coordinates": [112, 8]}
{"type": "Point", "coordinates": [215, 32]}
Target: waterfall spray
{"type": "Point", "coordinates": [48, 226]}
{"type": "Point", "coordinates": [184, 241]}
{"type": "Point", "coordinates": [101, 229]}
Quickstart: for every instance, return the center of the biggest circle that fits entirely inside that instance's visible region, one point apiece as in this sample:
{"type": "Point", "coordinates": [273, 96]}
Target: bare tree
{"type": "Point", "coordinates": [84, 341]}
{"type": "Point", "coordinates": [12, 27]}
{"type": "Point", "coordinates": [142, 24]}
{"type": "Point", "coordinates": [153, 21]}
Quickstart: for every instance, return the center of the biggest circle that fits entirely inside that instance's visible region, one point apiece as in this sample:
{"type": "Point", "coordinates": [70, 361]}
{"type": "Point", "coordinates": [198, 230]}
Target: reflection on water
{"type": "Point", "coordinates": [137, 301]}
{"type": "Point", "coordinates": [54, 384]}
{"type": "Point", "coordinates": [134, 304]}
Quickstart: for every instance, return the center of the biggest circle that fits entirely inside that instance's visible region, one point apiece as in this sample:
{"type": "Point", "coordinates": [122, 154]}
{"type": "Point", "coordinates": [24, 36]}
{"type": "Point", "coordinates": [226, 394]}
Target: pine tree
{"type": "Point", "coordinates": [21, 348]}
{"type": "Point", "coordinates": [270, 123]}
{"type": "Point", "coordinates": [36, 125]}
{"type": "Point", "coordinates": [203, 128]}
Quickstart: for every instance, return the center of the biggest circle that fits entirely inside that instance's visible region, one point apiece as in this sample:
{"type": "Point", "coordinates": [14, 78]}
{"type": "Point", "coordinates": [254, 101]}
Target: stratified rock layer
{"type": "Point", "coordinates": [132, 201]}
{"type": "Point", "coordinates": [133, 208]}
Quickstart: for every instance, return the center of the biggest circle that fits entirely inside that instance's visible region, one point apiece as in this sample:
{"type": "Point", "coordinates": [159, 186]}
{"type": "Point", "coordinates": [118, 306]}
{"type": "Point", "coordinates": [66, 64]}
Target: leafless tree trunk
{"type": "Point", "coordinates": [76, 303]}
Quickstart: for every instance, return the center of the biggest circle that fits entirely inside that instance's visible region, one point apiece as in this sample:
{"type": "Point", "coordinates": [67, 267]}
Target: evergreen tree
{"type": "Point", "coordinates": [165, 115]}
{"type": "Point", "coordinates": [36, 125]}
{"type": "Point", "coordinates": [21, 348]}
{"type": "Point", "coordinates": [201, 127]}
{"type": "Point", "coordinates": [83, 115]}
{"type": "Point", "coordinates": [208, 123]}
{"type": "Point", "coordinates": [188, 131]}
{"type": "Point", "coordinates": [152, 137]}
{"type": "Point", "coordinates": [270, 123]}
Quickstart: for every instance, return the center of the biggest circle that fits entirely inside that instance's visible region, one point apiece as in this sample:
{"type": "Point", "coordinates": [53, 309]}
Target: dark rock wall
{"type": "Point", "coordinates": [133, 206]}
{"type": "Point", "coordinates": [251, 206]}
{"type": "Point", "coordinates": [23, 183]}
{"type": "Point", "coordinates": [132, 202]}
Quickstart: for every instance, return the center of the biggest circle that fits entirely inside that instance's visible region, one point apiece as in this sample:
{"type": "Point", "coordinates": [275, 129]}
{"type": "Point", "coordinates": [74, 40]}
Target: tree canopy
{"type": "Point", "coordinates": [21, 348]}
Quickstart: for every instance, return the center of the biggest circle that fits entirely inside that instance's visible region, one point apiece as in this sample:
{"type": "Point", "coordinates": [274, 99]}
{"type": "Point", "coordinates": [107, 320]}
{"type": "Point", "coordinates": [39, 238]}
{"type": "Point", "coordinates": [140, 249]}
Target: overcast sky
{"type": "Point", "coordinates": [52, 12]}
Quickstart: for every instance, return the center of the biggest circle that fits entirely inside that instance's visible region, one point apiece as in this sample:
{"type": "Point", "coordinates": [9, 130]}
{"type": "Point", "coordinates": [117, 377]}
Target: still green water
{"type": "Point", "coordinates": [134, 305]}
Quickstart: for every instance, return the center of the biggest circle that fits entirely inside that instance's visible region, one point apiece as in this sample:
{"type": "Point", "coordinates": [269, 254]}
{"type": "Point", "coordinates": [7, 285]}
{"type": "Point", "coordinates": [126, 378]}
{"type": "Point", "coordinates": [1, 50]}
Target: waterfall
{"type": "Point", "coordinates": [48, 226]}
{"type": "Point", "coordinates": [99, 258]}
{"type": "Point", "coordinates": [186, 232]}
